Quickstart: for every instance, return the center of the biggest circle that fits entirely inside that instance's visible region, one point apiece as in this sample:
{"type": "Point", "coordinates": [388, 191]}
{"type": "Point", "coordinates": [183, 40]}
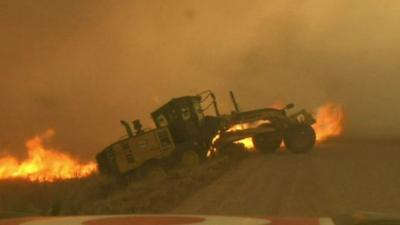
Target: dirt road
{"type": "Point", "coordinates": [333, 179]}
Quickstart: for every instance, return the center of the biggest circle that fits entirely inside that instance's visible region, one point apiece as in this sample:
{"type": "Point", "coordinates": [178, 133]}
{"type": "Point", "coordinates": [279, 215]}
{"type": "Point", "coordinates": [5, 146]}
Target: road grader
{"type": "Point", "coordinates": [186, 134]}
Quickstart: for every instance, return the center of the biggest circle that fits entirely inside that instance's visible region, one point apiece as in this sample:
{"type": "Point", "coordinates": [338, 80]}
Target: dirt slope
{"type": "Point", "coordinates": [334, 179]}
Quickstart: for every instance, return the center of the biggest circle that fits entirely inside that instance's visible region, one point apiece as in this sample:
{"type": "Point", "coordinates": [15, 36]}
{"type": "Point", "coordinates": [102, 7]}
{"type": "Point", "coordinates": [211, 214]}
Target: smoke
{"type": "Point", "coordinates": [80, 66]}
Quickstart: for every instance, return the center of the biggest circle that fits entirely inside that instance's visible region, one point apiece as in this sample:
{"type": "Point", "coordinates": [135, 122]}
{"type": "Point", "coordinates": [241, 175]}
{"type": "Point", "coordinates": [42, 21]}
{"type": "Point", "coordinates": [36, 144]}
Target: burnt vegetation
{"type": "Point", "coordinates": [98, 194]}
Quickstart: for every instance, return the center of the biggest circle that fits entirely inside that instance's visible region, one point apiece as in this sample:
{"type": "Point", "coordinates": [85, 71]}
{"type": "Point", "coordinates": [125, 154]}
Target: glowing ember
{"type": "Point", "coordinates": [247, 143]}
{"type": "Point", "coordinates": [330, 118]}
{"type": "Point", "coordinates": [243, 126]}
{"type": "Point", "coordinates": [43, 164]}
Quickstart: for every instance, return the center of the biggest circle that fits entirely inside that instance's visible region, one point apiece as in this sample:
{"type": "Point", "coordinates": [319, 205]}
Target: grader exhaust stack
{"type": "Point", "coordinates": [127, 127]}
{"type": "Point", "coordinates": [235, 104]}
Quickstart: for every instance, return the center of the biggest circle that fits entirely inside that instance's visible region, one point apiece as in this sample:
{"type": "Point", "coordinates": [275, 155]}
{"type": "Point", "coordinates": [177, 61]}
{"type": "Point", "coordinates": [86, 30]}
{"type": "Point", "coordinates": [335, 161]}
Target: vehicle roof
{"type": "Point", "coordinates": [172, 102]}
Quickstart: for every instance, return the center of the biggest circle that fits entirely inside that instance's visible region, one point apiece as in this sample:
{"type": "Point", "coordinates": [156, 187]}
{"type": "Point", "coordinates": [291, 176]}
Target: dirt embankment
{"type": "Point", "coordinates": [100, 195]}
{"type": "Point", "coordinates": [336, 178]}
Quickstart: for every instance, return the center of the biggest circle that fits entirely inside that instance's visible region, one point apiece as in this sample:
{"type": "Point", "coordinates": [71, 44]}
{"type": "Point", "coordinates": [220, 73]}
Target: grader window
{"type": "Point", "coordinates": [186, 115]}
{"type": "Point", "coordinates": [162, 121]}
{"type": "Point", "coordinates": [198, 110]}
{"type": "Point", "coordinates": [163, 136]}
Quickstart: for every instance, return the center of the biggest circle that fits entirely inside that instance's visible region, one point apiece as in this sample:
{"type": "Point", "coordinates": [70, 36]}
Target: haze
{"type": "Point", "coordinates": [80, 66]}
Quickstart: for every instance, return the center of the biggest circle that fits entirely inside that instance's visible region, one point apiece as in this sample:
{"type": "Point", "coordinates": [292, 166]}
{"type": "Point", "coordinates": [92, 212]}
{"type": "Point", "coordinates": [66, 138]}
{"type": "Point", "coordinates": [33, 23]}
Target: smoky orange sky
{"type": "Point", "coordinates": [80, 66]}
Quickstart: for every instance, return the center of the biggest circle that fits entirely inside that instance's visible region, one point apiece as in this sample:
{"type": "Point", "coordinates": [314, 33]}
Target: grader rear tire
{"type": "Point", "coordinates": [300, 139]}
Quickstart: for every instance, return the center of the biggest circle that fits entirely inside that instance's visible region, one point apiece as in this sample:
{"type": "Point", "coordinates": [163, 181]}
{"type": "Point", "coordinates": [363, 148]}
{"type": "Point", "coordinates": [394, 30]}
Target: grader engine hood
{"type": "Point", "coordinates": [255, 115]}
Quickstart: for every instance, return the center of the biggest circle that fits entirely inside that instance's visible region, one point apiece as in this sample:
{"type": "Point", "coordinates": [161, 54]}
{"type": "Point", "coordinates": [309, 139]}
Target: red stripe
{"type": "Point", "coordinates": [293, 221]}
{"type": "Point", "coordinates": [142, 220]}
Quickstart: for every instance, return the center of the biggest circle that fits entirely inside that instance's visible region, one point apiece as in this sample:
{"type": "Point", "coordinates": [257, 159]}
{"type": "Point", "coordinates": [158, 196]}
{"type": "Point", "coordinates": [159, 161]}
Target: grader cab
{"type": "Point", "coordinates": [178, 137]}
{"type": "Point", "coordinates": [182, 116]}
{"type": "Point", "coordinates": [190, 127]}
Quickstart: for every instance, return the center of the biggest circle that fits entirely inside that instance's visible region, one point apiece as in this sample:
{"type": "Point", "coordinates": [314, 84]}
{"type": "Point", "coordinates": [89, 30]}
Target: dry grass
{"type": "Point", "coordinates": [100, 195]}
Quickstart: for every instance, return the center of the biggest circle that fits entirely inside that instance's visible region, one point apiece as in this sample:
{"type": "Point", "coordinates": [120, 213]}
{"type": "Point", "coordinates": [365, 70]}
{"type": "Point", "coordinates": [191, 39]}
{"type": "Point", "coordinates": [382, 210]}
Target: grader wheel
{"type": "Point", "coordinates": [300, 139]}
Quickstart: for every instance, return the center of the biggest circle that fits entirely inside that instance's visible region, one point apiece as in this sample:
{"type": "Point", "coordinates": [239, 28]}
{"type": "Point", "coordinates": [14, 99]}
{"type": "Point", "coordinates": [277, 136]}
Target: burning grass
{"type": "Point", "coordinates": [98, 195]}
{"type": "Point", "coordinates": [44, 164]}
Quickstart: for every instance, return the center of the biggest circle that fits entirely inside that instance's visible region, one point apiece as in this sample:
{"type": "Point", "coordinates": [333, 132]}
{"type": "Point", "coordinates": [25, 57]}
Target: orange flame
{"type": "Point", "coordinates": [246, 142]}
{"type": "Point", "coordinates": [330, 119]}
{"type": "Point", "coordinates": [43, 164]}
